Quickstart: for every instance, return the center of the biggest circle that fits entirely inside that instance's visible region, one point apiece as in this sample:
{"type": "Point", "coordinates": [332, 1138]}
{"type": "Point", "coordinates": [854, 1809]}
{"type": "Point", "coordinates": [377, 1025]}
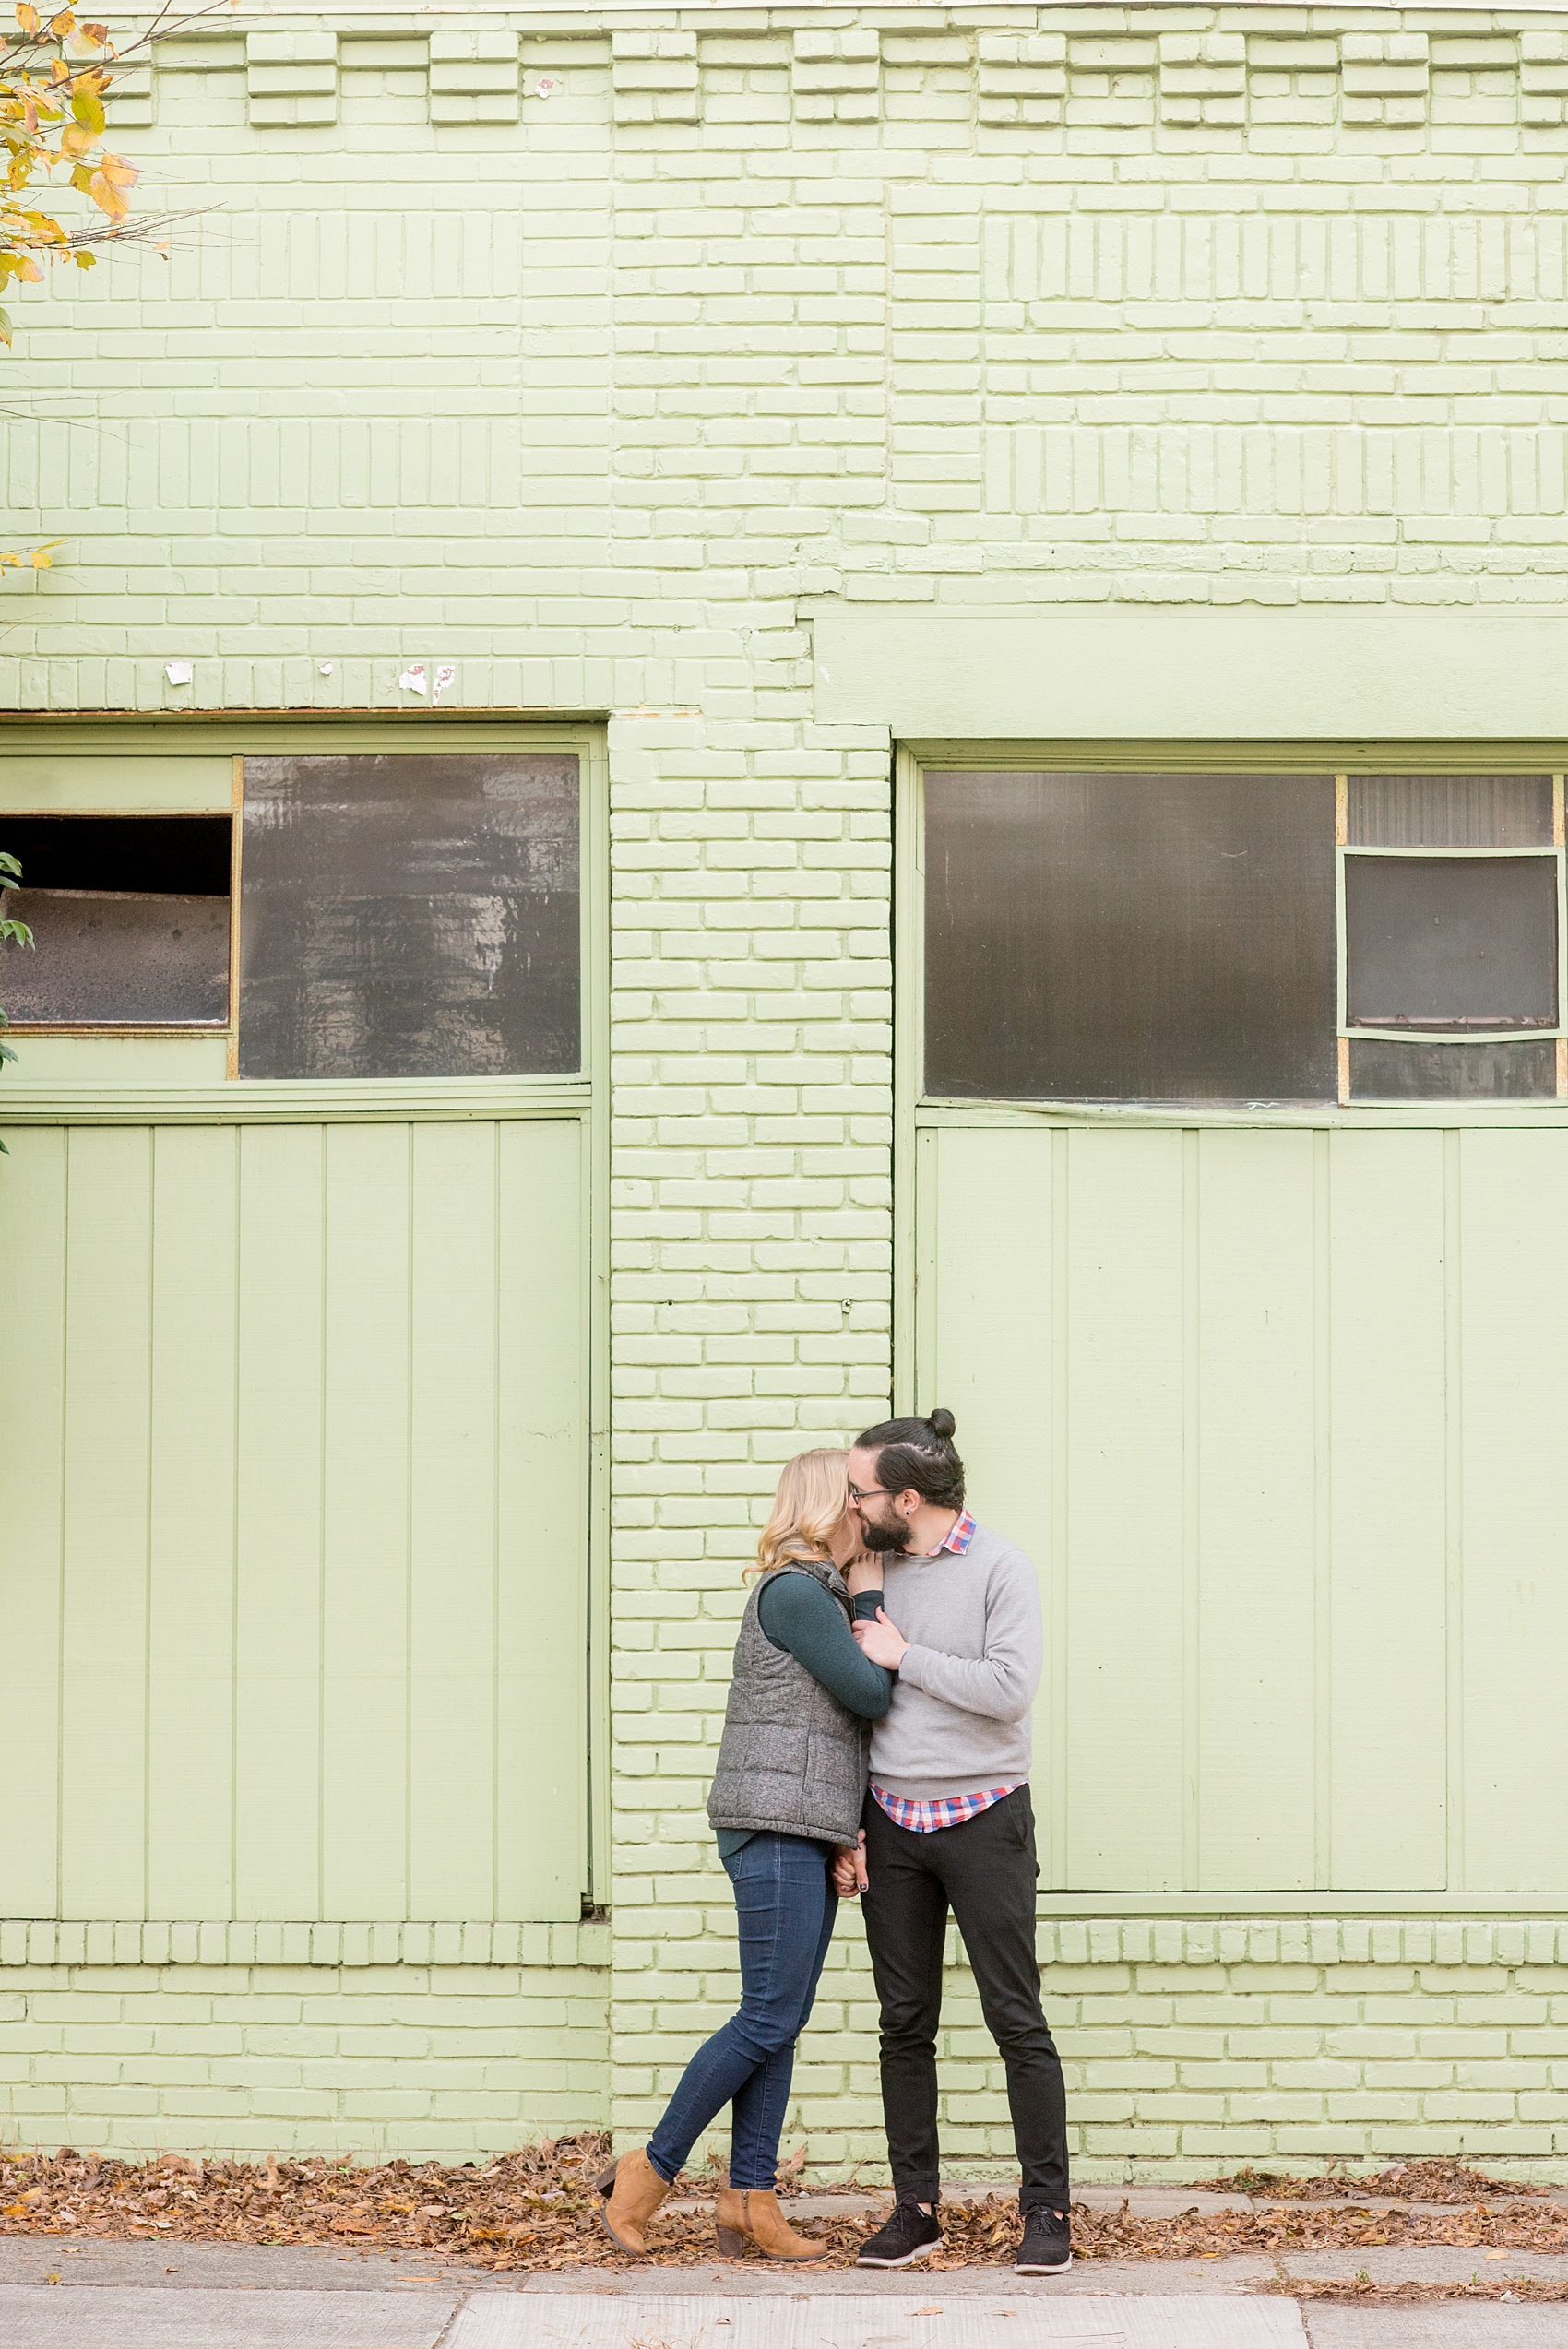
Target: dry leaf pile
{"type": "Point", "coordinates": [1431, 2181]}
{"type": "Point", "coordinates": [1278, 2229]}
{"type": "Point", "coordinates": [1361, 2292]}
{"type": "Point", "coordinates": [537, 2210]}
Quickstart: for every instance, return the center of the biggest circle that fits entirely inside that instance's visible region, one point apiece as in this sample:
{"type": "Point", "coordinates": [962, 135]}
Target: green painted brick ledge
{"type": "Point", "coordinates": [1114, 1941]}
{"type": "Point", "coordinates": [105, 1943]}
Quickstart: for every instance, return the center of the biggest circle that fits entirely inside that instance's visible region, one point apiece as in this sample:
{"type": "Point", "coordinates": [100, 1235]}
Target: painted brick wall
{"type": "Point", "coordinates": [1190, 2047]}
{"type": "Point", "coordinates": [578, 353]}
{"type": "Point", "coordinates": [277, 2047]}
{"type": "Point", "coordinates": [1187, 2046]}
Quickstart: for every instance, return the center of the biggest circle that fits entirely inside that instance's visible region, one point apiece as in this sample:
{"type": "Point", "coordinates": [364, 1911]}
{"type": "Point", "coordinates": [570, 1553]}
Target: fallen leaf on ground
{"type": "Point", "coordinates": [536, 2210]}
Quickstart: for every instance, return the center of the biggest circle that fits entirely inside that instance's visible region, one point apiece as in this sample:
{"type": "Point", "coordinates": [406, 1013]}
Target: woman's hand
{"type": "Point", "coordinates": [849, 1878]}
{"type": "Point", "coordinates": [882, 1641]}
{"type": "Point", "coordinates": [863, 1574]}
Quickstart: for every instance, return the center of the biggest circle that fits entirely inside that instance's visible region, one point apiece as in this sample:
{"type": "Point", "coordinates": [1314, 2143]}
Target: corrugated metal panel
{"type": "Point", "coordinates": [293, 1589]}
{"type": "Point", "coordinates": [1277, 1414]}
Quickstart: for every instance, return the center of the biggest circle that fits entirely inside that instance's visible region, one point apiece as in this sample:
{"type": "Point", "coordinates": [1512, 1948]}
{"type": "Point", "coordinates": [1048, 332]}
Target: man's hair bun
{"type": "Point", "coordinates": [917, 1456]}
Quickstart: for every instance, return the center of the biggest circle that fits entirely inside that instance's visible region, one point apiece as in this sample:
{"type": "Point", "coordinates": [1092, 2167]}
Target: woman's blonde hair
{"type": "Point", "coordinates": [813, 1495]}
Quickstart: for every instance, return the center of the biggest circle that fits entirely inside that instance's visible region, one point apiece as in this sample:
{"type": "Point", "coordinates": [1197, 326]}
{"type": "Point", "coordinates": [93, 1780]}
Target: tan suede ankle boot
{"type": "Point", "coordinates": [748, 2215]}
{"type": "Point", "coordinates": [633, 2191]}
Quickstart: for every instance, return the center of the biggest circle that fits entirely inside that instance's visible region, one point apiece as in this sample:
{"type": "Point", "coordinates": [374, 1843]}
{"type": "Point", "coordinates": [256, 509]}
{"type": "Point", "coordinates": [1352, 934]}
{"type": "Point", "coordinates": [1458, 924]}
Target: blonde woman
{"type": "Point", "coordinates": [785, 1802]}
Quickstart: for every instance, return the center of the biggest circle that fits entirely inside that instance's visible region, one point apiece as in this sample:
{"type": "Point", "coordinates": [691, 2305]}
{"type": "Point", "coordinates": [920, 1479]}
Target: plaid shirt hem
{"type": "Point", "coordinates": [948, 1811]}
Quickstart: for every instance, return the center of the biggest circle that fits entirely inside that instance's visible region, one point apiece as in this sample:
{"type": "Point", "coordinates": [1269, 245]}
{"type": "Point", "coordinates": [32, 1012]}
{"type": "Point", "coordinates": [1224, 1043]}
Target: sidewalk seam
{"type": "Point", "coordinates": [444, 2335]}
{"type": "Point", "coordinates": [1282, 2271]}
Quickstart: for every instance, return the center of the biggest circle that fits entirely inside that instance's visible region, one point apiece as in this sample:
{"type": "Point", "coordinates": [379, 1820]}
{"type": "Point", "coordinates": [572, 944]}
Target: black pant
{"type": "Point", "coordinates": [985, 1869]}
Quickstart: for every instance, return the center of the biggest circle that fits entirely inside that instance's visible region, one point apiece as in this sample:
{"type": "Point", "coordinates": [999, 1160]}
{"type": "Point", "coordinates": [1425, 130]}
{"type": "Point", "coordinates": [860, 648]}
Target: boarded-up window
{"type": "Point", "coordinates": [130, 919]}
{"type": "Point", "coordinates": [1451, 941]}
{"type": "Point", "coordinates": [1383, 1070]}
{"type": "Point", "coordinates": [409, 915]}
{"type": "Point", "coordinates": [1446, 953]}
{"type": "Point", "coordinates": [1143, 937]}
{"type": "Point", "coordinates": [1244, 937]}
{"type": "Point", "coordinates": [1449, 811]}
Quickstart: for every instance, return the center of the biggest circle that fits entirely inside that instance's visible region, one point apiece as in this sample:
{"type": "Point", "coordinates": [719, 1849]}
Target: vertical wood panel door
{"type": "Point", "coordinates": [294, 1584]}
{"type": "Point", "coordinates": [1274, 1413]}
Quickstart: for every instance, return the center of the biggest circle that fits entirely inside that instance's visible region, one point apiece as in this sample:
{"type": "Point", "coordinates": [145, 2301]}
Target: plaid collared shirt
{"type": "Point", "coordinates": [948, 1811]}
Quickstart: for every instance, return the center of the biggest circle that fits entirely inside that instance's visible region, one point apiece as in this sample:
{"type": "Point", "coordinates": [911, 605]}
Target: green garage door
{"type": "Point", "coordinates": [293, 1613]}
{"type": "Point", "coordinates": [1278, 1415]}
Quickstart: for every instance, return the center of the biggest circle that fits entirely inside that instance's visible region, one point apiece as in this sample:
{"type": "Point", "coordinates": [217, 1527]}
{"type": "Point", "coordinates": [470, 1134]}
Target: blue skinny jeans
{"type": "Point", "coordinates": [786, 1909]}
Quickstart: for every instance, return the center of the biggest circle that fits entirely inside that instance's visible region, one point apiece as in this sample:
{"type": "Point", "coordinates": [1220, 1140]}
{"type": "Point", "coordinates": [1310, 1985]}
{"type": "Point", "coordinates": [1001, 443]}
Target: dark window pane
{"type": "Point", "coordinates": [130, 915]}
{"type": "Point", "coordinates": [406, 915]}
{"type": "Point", "coordinates": [1451, 810]}
{"type": "Point", "coordinates": [1382, 1070]}
{"type": "Point", "coordinates": [1130, 937]}
{"type": "Point", "coordinates": [100, 957]}
{"type": "Point", "coordinates": [1451, 941]}
{"type": "Point", "coordinates": [184, 855]}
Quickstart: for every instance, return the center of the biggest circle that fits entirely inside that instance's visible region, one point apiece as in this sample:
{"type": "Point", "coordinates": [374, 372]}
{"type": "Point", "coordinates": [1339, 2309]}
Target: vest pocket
{"type": "Point", "coordinates": [769, 1749]}
{"type": "Point", "coordinates": [836, 1765]}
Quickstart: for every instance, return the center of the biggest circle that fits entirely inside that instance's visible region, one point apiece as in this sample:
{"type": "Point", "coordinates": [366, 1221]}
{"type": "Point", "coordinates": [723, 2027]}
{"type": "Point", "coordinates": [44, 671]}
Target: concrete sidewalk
{"type": "Point", "coordinates": [62, 2294]}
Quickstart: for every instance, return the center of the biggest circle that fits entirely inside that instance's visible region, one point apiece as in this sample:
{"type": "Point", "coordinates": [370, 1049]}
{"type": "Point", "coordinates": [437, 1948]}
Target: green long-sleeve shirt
{"type": "Point", "coordinates": [798, 1615]}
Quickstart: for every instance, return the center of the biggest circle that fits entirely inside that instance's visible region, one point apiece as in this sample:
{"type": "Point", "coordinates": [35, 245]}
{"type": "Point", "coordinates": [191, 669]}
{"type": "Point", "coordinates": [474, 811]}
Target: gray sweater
{"type": "Point", "coordinates": [959, 1719]}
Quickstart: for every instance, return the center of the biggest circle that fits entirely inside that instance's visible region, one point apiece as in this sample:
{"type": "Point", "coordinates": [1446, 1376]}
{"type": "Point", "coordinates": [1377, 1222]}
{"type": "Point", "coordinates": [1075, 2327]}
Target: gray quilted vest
{"type": "Point", "coordinates": [792, 1758]}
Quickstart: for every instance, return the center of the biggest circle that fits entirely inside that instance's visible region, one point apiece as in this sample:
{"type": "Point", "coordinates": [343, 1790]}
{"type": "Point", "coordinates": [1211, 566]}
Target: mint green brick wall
{"type": "Point", "coordinates": [1190, 2047]}
{"type": "Point", "coordinates": [297, 2037]}
{"type": "Point", "coordinates": [1187, 2046]}
{"type": "Point", "coordinates": [583, 354]}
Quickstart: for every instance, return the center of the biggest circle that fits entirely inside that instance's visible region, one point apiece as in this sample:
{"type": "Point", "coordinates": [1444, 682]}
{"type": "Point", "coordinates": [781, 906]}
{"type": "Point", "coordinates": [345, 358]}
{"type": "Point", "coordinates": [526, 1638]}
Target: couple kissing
{"type": "Point", "coordinates": [877, 1742]}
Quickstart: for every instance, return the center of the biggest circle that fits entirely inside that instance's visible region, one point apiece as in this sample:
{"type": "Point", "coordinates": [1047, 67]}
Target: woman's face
{"type": "Point", "coordinates": [844, 1541]}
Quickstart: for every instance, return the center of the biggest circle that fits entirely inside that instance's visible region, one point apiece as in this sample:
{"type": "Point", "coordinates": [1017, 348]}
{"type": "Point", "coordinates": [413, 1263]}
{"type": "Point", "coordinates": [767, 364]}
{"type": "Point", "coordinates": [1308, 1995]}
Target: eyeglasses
{"type": "Point", "coordinates": [856, 1494]}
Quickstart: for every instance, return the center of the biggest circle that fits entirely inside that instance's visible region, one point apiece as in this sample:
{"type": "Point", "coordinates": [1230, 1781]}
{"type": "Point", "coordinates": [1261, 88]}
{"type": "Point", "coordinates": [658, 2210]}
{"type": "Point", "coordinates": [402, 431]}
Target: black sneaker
{"type": "Point", "coordinates": [909, 2234]}
{"type": "Point", "coordinates": [1047, 2247]}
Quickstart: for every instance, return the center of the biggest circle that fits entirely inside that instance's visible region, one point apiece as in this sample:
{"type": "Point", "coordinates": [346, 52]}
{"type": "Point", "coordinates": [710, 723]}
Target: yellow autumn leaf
{"type": "Point", "coordinates": [110, 186]}
{"type": "Point", "coordinates": [87, 104]}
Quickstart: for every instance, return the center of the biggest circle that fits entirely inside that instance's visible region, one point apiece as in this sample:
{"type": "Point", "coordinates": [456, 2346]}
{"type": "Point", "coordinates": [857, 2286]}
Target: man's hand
{"type": "Point", "coordinates": [882, 1641]}
{"type": "Point", "coordinates": [849, 1878]}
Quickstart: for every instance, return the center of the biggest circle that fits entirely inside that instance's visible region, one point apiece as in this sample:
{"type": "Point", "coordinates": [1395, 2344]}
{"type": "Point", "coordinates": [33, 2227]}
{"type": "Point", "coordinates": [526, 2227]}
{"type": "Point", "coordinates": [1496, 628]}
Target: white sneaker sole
{"type": "Point", "coordinates": [921, 2252]}
{"type": "Point", "coordinates": [1060, 2266]}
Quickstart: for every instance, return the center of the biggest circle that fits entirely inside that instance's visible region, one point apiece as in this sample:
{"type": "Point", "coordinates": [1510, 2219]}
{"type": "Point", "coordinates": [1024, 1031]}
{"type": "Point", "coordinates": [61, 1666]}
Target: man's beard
{"type": "Point", "coordinates": [881, 1538]}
